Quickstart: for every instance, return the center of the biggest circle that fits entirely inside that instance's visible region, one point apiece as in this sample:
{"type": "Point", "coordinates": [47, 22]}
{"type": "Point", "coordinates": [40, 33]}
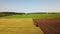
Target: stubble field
{"type": "Point", "coordinates": [18, 26]}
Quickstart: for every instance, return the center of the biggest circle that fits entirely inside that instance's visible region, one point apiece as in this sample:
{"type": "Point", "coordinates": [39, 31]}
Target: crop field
{"type": "Point", "coordinates": [33, 16]}
{"type": "Point", "coordinates": [18, 26]}
{"type": "Point", "coordinates": [22, 24]}
{"type": "Point", "coordinates": [48, 25]}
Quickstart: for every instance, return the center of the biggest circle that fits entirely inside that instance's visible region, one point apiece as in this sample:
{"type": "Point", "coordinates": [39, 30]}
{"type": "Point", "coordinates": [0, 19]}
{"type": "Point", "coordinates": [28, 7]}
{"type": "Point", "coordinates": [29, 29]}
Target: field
{"type": "Point", "coordinates": [33, 16]}
{"type": "Point", "coordinates": [18, 26]}
{"type": "Point", "coordinates": [22, 24]}
{"type": "Point", "coordinates": [48, 25]}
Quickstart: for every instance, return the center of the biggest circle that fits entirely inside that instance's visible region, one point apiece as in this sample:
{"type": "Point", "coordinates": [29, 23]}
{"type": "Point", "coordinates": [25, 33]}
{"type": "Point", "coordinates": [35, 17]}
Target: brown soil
{"type": "Point", "coordinates": [49, 25]}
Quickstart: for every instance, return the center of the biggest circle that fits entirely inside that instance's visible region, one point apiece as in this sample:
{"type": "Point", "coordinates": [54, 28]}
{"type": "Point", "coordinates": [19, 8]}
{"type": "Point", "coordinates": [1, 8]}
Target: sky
{"type": "Point", "coordinates": [28, 6]}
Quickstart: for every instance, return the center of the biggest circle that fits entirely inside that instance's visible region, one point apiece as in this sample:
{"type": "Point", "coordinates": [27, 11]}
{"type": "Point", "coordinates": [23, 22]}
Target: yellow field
{"type": "Point", "coordinates": [18, 26]}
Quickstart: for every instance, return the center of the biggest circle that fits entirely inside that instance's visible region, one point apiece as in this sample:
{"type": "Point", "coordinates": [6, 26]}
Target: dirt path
{"type": "Point", "coordinates": [18, 26]}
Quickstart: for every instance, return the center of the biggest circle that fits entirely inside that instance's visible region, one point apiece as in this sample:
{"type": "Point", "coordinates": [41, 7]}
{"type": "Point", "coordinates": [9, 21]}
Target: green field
{"type": "Point", "coordinates": [34, 16]}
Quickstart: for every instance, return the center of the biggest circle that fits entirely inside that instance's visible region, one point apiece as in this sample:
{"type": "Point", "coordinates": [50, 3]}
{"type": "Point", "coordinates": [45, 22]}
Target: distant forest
{"type": "Point", "coordinates": [14, 13]}
{"type": "Point", "coordinates": [9, 13]}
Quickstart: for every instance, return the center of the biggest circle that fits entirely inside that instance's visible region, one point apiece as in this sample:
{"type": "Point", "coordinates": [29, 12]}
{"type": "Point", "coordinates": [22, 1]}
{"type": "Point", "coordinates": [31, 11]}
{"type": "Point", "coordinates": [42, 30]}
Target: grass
{"type": "Point", "coordinates": [34, 16]}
